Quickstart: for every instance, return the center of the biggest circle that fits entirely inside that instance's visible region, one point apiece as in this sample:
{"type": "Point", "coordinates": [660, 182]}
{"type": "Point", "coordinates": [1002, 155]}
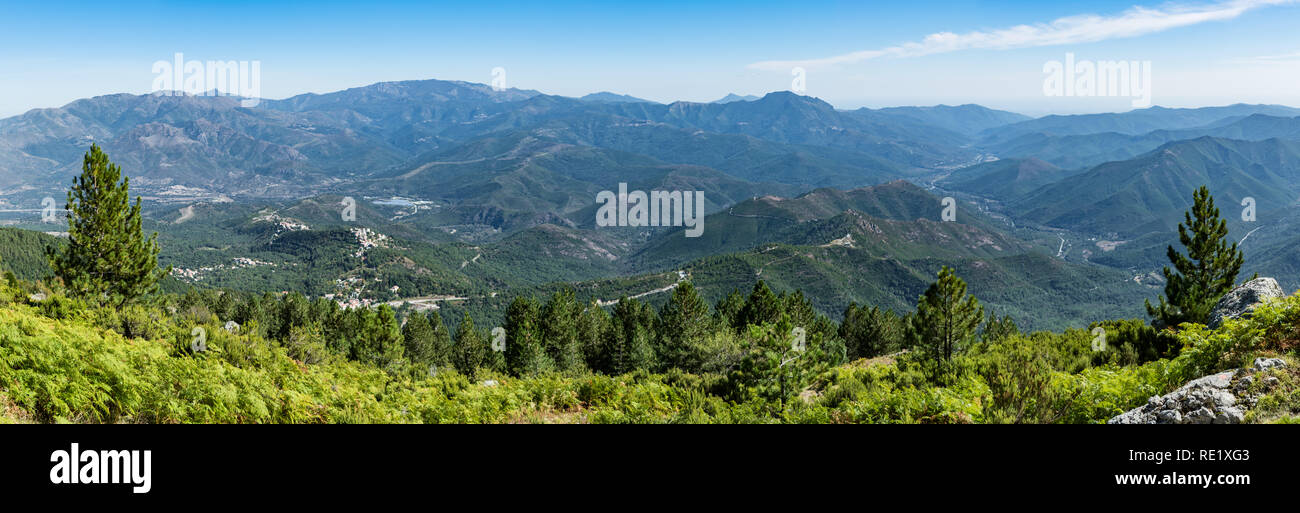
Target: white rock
{"type": "Point", "coordinates": [1241, 301]}
{"type": "Point", "coordinates": [1263, 364]}
{"type": "Point", "coordinates": [1201, 416]}
{"type": "Point", "coordinates": [1229, 415]}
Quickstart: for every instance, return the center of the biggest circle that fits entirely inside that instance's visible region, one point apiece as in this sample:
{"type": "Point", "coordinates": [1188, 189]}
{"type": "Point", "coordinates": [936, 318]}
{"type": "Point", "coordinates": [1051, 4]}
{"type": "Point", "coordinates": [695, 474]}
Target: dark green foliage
{"type": "Point", "coordinates": [870, 332]}
{"type": "Point", "coordinates": [25, 253]}
{"type": "Point", "coordinates": [777, 366]}
{"type": "Point", "coordinates": [426, 340]}
{"type": "Point", "coordinates": [526, 353]}
{"type": "Point", "coordinates": [683, 323]}
{"type": "Point", "coordinates": [803, 314]}
{"type": "Point", "coordinates": [560, 331]}
{"type": "Point", "coordinates": [108, 259]}
{"type": "Point", "coordinates": [727, 311]}
{"type": "Point", "coordinates": [1133, 342]}
{"type": "Point", "coordinates": [379, 339]}
{"type": "Point", "coordinates": [996, 329]}
{"type": "Point", "coordinates": [946, 319]}
{"type": "Point", "coordinates": [594, 326]}
{"type": "Point", "coordinates": [762, 307]}
{"type": "Point", "coordinates": [442, 339]}
{"type": "Point", "coordinates": [1019, 376]}
{"type": "Point", "coordinates": [472, 350]}
{"type": "Point", "coordinates": [1206, 273]}
{"type": "Point", "coordinates": [630, 342]}
{"type": "Point", "coordinates": [759, 375]}
{"type": "Point", "coordinates": [294, 309]}
{"type": "Point", "coordinates": [222, 304]}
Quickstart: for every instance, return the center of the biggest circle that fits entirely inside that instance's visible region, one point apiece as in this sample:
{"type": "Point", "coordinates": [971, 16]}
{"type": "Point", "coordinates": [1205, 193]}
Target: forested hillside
{"type": "Point", "coordinates": [98, 342]}
{"type": "Point", "coordinates": [428, 251]}
{"type": "Point", "coordinates": [292, 360]}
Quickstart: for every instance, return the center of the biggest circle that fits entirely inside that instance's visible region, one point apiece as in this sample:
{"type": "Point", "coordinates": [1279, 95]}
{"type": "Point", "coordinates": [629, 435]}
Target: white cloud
{"type": "Point", "coordinates": [1083, 28]}
{"type": "Point", "coordinates": [1272, 58]}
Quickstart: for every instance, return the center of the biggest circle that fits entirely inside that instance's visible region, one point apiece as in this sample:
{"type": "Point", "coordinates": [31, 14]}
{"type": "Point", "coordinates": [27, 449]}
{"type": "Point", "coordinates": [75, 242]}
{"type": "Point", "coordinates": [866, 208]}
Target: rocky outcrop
{"type": "Point", "coordinates": [1213, 399]}
{"type": "Point", "coordinates": [1242, 300]}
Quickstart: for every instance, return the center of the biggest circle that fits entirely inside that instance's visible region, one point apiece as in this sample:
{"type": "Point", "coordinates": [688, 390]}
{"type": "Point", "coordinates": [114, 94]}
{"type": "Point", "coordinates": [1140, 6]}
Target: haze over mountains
{"type": "Point", "coordinates": [284, 146]}
{"type": "Point", "coordinates": [471, 183]}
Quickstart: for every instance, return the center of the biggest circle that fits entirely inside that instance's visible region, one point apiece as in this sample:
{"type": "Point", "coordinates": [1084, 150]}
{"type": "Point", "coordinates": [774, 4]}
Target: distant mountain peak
{"type": "Point", "coordinates": [733, 97]}
{"type": "Point", "coordinates": [608, 97]}
{"type": "Point", "coordinates": [793, 98]}
{"type": "Point", "coordinates": [428, 90]}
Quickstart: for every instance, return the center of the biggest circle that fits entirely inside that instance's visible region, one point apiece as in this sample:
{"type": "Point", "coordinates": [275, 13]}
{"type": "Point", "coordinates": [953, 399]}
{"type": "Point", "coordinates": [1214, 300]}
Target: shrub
{"type": "Point", "coordinates": [1132, 342]}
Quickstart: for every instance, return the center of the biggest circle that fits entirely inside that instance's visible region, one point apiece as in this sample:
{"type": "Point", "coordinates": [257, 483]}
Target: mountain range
{"type": "Point", "coordinates": [475, 191]}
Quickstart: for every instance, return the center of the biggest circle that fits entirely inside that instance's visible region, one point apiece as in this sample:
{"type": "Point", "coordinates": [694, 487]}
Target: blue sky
{"type": "Point", "coordinates": [1208, 52]}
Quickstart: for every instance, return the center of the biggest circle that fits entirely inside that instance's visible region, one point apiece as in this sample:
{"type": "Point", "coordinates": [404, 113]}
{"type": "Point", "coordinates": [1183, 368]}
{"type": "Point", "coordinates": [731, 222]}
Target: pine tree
{"type": "Point", "coordinates": [996, 329]}
{"type": "Point", "coordinates": [631, 341]}
{"type": "Point", "coordinates": [1205, 274]}
{"type": "Point", "coordinates": [560, 331]}
{"type": "Point", "coordinates": [804, 315]}
{"type": "Point", "coordinates": [418, 335]}
{"type": "Point", "coordinates": [344, 328]}
{"type": "Point", "coordinates": [224, 305]}
{"type": "Point", "coordinates": [774, 367]}
{"type": "Point", "coordinates": [108, 259]}
{"type": "Point", "coordinates": [268, 314]}
{"type": "Point", "coordinates": [379, 341]}
{"type": "Point", "coordinates": [471, 350]}
{"type": "Point", "coordinates": [525, 351]}
{"type": "Point", "coordinates": [870, 332]}
{"type": "Point", "coordinates": [946, 318]}
{"type": "Point", "coordinates": [762, 307]}
{"type": "Point", "coordinates": [593, 326]}
{"type": "Point", "coordinates": [728, 309]}
{"type": "Point", "coordinates": [292, 313]}
{"type": "Point", "coordinates": [683, 322]}
{"type": "Point", "coordinates": [442, 345]}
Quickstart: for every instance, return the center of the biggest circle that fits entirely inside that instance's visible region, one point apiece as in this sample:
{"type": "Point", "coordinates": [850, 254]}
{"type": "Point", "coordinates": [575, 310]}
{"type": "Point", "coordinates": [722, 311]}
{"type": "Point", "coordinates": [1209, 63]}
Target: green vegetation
{"type": "Point", "coordinates": [945, 320]}
{"type": "Point", "coordinates": [107, 258]}
{"type": "Point", "coordinates": [87, 348]}
{"type": "Point", "coordinates": [1206, 273]}
{"type": "Point", "coordinates": [878, 246]}
{"type": "Point", "coordinates": [294, 360]}
{"type": "Point", "coordinates": [1127, 199]}
{"type": "Point", "coordinates": [23, 252]}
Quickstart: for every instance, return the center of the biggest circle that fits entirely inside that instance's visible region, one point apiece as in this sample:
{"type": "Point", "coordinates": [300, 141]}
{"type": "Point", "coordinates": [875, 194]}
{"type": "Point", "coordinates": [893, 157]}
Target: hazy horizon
{"type": "Point", "coordinates": [1212, 53]}
{"type": "Point", "coordinates": [874, 104]}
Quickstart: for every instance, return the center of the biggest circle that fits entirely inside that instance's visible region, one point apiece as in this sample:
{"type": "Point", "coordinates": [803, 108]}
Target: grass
{"type": "Point", "coordinates": [63, 362]}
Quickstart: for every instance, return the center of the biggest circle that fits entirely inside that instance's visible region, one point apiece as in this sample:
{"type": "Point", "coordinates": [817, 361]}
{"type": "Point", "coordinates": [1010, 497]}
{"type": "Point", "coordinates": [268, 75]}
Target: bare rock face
{"type": "Point", "coordinates": [1213, 399]}
{"type": "Point", "coordinates": [1202, 401]}
{"type": "Point", "coordinates": [1241, 301]}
